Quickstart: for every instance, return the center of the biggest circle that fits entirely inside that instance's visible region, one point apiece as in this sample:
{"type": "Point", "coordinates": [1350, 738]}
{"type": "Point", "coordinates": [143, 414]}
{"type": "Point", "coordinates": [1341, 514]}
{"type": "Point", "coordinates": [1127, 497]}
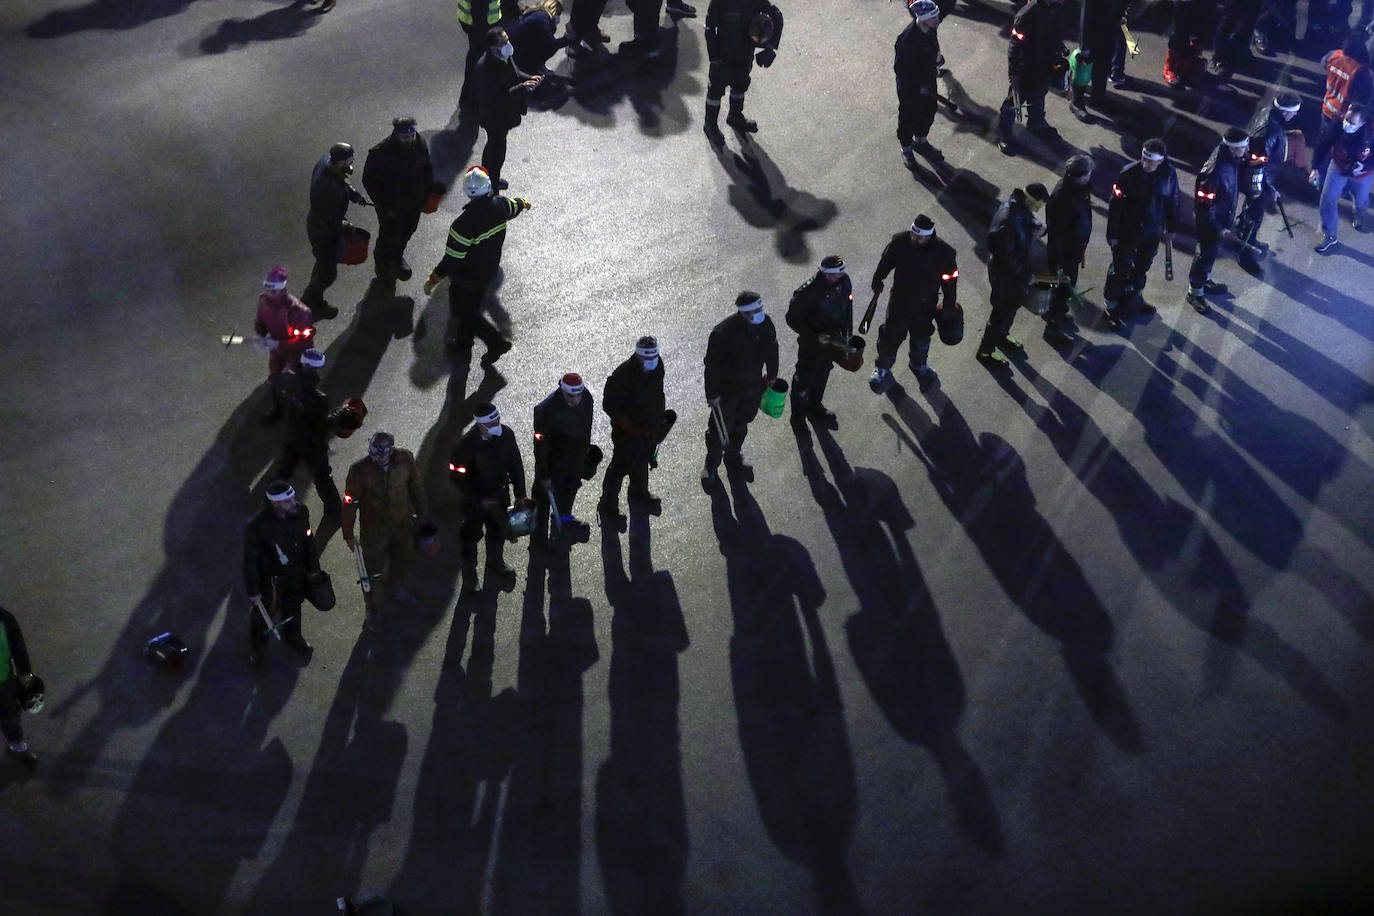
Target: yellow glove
{"type": "Point", "coordinates": [524, 202]}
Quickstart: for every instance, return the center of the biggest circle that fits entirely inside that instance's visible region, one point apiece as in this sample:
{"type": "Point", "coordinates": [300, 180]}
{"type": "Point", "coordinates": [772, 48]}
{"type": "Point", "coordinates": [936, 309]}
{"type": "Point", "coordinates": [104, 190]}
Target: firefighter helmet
{"type": "Point", "coordinates": [761, 29]}
{"type": "Point", "coordinates": [476, 182]}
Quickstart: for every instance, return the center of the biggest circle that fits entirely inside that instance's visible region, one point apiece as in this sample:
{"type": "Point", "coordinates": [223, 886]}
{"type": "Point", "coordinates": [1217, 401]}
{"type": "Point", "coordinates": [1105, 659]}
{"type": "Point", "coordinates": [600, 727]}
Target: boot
{"type": "Point", "coordinates": [712, 125]}
{"type": "Point", "coordinates": [736, 118]}
{"type": "Point", "coordinates": [275, 412]}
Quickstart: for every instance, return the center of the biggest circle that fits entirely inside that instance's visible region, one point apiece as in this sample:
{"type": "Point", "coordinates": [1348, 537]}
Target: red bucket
{"type": "Point", "coordinates": [432, 202]}
{"type": "Point", "coordinates": [355, 247]}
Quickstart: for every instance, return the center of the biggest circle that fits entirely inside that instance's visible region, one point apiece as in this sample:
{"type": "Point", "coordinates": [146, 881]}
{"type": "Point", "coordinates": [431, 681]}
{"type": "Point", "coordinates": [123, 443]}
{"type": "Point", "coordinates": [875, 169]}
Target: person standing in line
{"type": "Point", "coordinates": [741, 361]}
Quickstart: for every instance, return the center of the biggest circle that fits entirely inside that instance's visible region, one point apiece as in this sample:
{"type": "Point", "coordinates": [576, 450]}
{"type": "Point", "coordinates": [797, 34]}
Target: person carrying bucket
{"type": "Point", "coordinates": [741, 362]}
{"type": "Point", "coordinates": [822, 313]}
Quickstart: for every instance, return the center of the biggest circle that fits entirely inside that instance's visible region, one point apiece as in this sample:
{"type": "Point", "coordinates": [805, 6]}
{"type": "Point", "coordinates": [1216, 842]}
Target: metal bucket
{"type": "Point", "coordinates": [851, 359]}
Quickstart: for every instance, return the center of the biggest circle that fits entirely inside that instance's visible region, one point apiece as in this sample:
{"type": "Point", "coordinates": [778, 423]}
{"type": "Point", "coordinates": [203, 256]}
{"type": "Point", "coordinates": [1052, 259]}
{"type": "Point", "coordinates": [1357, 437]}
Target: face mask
{"type": "Point", "coordinates": [1348, 127]}
{"type": "Point", "coordinates": [494, 430]}
{"type": "Point", "coordinates": [756, 317]}
{"type": "Point", "coordinates": [505, 51]}
{"type": "Point", "coordinates": [649, 364]}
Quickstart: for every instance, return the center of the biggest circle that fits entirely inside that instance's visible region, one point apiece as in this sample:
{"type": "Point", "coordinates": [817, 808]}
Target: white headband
{"type": "Point", "coordinates": [919, 231]}
{"type": "Point", "coordinates": [646, 352]}
{"type": "Point", "coordinates": [833, 270]}
{"type": "Point", "coordinates": [1281, 107]}
{"type": "Point", "coordinates": [492, 417]}
{"type": "Point", "coordinates": [268, 284]}
{"type": "Point", "coordinates": [753, 306]}
{"type": "Point", "coordinates": [1153, 157]}
{"type": "Point", "coordinates": [572, 389]}
{"type": "Point", "coordinates": [314, 362]}
{"type": "Point", "coordinates": [282, 497]}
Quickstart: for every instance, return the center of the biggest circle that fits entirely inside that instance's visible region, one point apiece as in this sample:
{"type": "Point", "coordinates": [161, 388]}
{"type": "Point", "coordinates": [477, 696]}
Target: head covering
{"type": "Point", "coordinates": [1154, 149]}
{"type": "Point", "coordinates": [1287, 101]}
{"type": "Point", "coordinates": [403, 125]}
{"type": "Point", "coordinates": [832, 264]}
{"type": "Point", "coordinates": [381, 439]}
{"type": "Point", "coordinates": [279, 491]}
{"type": "Point", "coordinates": [1234, 136]}
{"type": "Point", "coordinates": [340, 152]}
{"type": "Point", "coordinates": [1036, 191]}
{"type": "Point", "coordinates": [312, 358]}
{"type": "Point", "coordinates": [923, 225]}
{"type": "Point", "coordinates": [275, 279]}
{"type": "Point", "coordinates": [572, 383]}
{"type": "Point", "coordinates": [748, 301]}
{"type": "Point", "coordinates": [486, 413]}
{"type": "Point", "coordinates": [646, 347]}
{"type": "Point", "coordinates": [923, 10]}
{"type": "Point", "coordinates": [1078, 166]}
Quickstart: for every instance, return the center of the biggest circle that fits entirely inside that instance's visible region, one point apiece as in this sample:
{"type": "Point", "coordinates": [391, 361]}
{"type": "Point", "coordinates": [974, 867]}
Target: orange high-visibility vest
{"type": "Point", "coordinates": [1340, 73]}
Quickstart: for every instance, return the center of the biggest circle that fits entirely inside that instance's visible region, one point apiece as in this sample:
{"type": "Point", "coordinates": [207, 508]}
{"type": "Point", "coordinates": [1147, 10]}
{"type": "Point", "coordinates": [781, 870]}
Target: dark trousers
{"type": "Point", "coordinates": [1131, 260]}
{"type": "Point", "coordinates": [494, 152]}
{"type": "Point", "coordinates": [646, 15]}
{"type": "Point", "coordinates": [316, 458]}
{"type": "Point", "coordinates": [476, 520]}
{"type": "Point", "coordinates": [812, 373]}
{"type": "Point", "coordinates": [565, 484]}
{"type": "Point", "coordinates": [1208, 244]}
{"type": "Point", "coordinates": [585, 19]}
{"type": "Point", "coordinates": [10, 711]}
{"type": "Point", "coordinates": [1032, 95]}
{"type": "Point", "coordinates": [477, 46]}
{"type": "Point", "coordinates": [325, 271]}
{"type": "Point", "coordinates": [915, 114]}
{"type": "Point", "coordinates": [1008, 292]}
{"type": "Point", "coordinates": [466, 320]}
{"type": "Point", "coordinates": [394, 228]}
{"type": "Point", "coordinates": [736, 74]}
{"type": "Point", "coordinates": [1100, 33]}
{"type": "Point", "coordinates": [1277, 21]}
{"type": "Point", "coordinates": [1252, 214]}
{"type": "Point", "coordinates": [1235, 23]}
{"type": "Point", "coordinates": [905, 318]}
{"type": "Point", "coordinates": [1059, 297]}
{"type": "Point", "coordinates": [629, 458]}
{"type": "Point", "coordinates": [288, 602]}
{"type": "Point", "coordinates": [739, 408]}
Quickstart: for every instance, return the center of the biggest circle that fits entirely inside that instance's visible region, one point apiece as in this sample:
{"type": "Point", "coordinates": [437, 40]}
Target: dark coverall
{"type": "Point", "coordinates": [14, 664]}
{"type": "Point", "coordinates": [1069, 227]}
{"type": "Point", "coordinates": [585, 20]}
{"type": "Point", "coordinates": [1009, 270]}
{"type": "Point", "coordinates": [818, 307]}
{"type": "Point", "coordinates": [1268, 149]}
{"type": "Point", "coordinates": [914, 58]}
{"type": "Point", "coordinates": [1235, 24]}
{"type": "Point", "coordinates": [1143, 208]}
{"type": "Point", "coordinates": [562, 435]}
{"type": "Point", "coordinates": [325, 226]}
{"type": "Point", "coordinates": [634, 400]}
{"type": "Point", "coordinates": [472, 256]}
{"type": "Point", "coordinates": [1032, 52]}
{"type": "Point", "coordinates": [741, 359]}
{"type": "Point", "coordinates": [486, 470]}
{"type": "Point", "coordinates": [1214, 207]}
{"type": "Point", "coordinates": [730, 49]}
{"type": "Point", "coordinates": [500, 106]}
{"type": "Point", "coordinates": [926, 275]}
{"type": "Point", "coordinates": [278, 553]}
{"type": "Point", "coordinates": [400, 178]}
{"type": "Point", "coordinates": [1100, 33]}
{"type": "Point", "coordinates": [1192, 27]}
{"type": "Point", "coordinates": [309, 427]}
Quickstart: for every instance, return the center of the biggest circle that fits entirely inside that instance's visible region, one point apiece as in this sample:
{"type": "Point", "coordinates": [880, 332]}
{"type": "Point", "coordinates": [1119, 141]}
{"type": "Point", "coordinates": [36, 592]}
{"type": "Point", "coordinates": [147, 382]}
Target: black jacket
{"type": "Point", "coordinates": [1009, 238]}
{"type": "Point", "coordinates": [330, 193]}
{"type": "Point", "coordinates": [535, 39]}
{"type": "Point", "coordinates": [738, 354]}
{"type": "Point", "coordinates": [19, 652]}
{"type": "Point", "coordinates": [1350, 153]}
{"type": "Point", "coordinates": [485, 468]}
{"type": "Point", "coordinates": [819, 307]}
{"type": "Point", "coordinates": [914, 60]}
{"type": "Point", "coordinates": [1035, 45]}
{"type": "Point", "coordinates": [727, 28]}
{"type": "Point", "coordinates": [923, 271]}
{"type": "Point", "coordinates": [562, 434]}
{"type": "Point", "coordinates": [399, 175]}
{"type": "Point", "coordinates": [1144, 204]}
{"type": "Point", "coordinates": [634, 400]}
{"type": "Point", "coordinates": [1269, 137]}
{"type": "Point", "coordinates": [278, 547]}
{"type": "Point", "coordinates": [1069, 223]}
{"type": "Point", "coordinates": [1215, 191]}
{"type": "Point", "coordinates": [308, 418]}
{"type": "Point", "coordinates": [499, 105]}
{"type": "Point", "coordinates": [473, 251]}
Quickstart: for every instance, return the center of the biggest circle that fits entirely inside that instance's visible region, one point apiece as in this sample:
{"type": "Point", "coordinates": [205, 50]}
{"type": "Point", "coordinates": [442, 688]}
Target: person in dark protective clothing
{"type": "Point", "coordinates": [822, 314]}
{"type": "Point", "coordinates": [309, 427]}
{"type": "Point", "coordinates": [1034, 52]}
{"type": "Point", "coordinates": [471, 259]}
{"type": "Point", "coordinates": [486, 466]}
{"type": "Point", "coordinates": [562, 439]}
{"type": "Point", "coordinates": [327, 222]}
{"type": "Point", "coordinates": [645, 15]}
{"type": "Point", "coordinates": [1014, 226]}
{"type": "Point", "coordinates": [1192, 28]}
{"type": "Point", "coordinates": [18, 686]}
{"type": "Point", "coordinates": [916, 56]}
{"type": "Point", "coordinates": [1100, 35]}
{"type": "Point", "coordinates": [1215, 193]}
{"type": "Point", "coordinates": [1268, 150]}
{"type": "Point", "coordinates": [925, 280]}
{"type": "Point", "coordinates": [1346, 144]}
{"type": "Point", "coordinates": [476, 18]}
{"type": "Point", "coordinates": [502, 100]}
{"type": "Point", "coordinates": [278, 555]}
{"type": "Point", "coordinates": [384, 493]}
{"type": "Point", "coordinates": [584, 28]}
{"type": "Point", "coordinates": [285, 327]}
{"type": "Point", "coordinates": [634, 400]}
{"type": "Point", "coordinates": [1143, 211]}
{"type": "Point", "coordinates": [1275, 27]}
{"type": "Point", "coordinates": [741, 361]}
{"type": "Point", "coordinates": [1068, 229]}
{"type": "Point", "coordinates": [1231, 41]}
{"type": "Point", "coordinates": [735, 31]}
{"type": "Point", "coordinates": [400, 177]}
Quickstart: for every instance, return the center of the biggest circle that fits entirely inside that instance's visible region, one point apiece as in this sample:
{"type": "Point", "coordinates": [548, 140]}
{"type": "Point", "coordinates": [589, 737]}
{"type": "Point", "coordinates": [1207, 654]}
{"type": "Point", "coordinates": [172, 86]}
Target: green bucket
{"type": "Point", "coordinates": [774, 398]}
